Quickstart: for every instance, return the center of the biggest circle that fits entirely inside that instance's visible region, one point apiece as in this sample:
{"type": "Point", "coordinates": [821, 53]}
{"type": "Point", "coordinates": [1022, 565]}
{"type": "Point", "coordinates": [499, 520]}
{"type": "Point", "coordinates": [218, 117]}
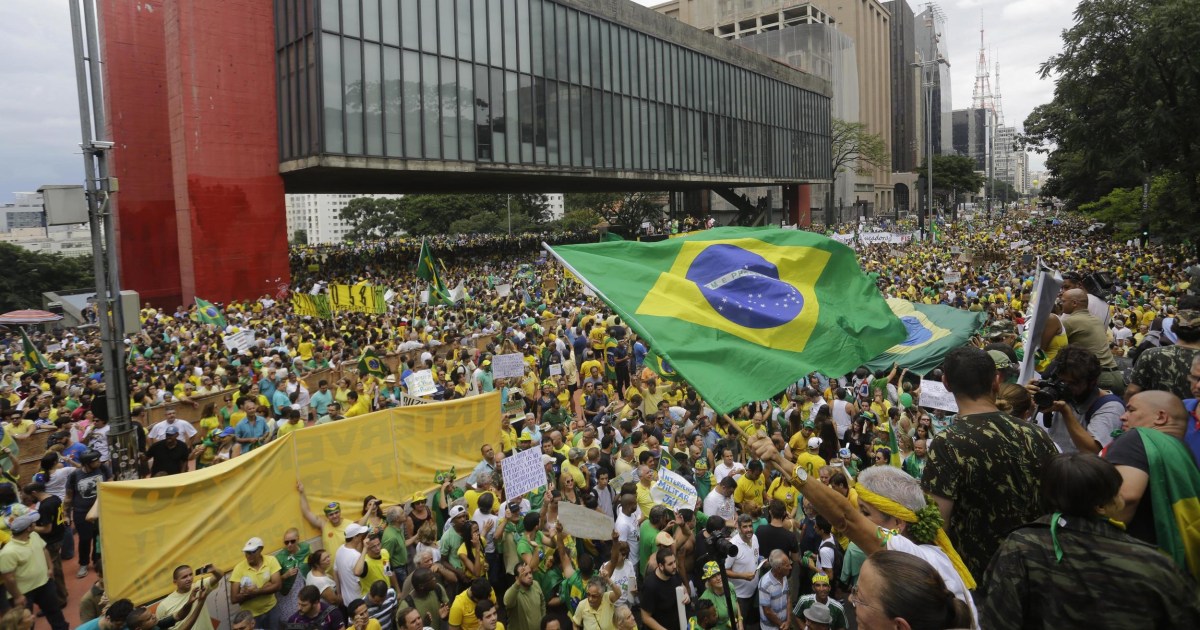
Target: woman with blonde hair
{"type": "Point", "coordinates": [1014, 400]}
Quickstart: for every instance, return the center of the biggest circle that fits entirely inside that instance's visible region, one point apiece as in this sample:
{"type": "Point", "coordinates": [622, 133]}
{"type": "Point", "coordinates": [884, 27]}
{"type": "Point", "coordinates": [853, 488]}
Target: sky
{"type": "Point", "coordinates": [39, 112]}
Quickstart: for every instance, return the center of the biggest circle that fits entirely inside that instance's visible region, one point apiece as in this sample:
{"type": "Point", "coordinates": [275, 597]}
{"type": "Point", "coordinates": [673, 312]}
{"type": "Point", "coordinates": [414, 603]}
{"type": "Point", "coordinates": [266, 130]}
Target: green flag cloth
{"type": "Point", "coordinates": [370, 363]}
{"type": "Point", "coordinates": [1175, 494]}
{"type": "Point", "coordinates": [937, 232]}
{"type": "Point", "coordinates": [427, 269]}
{"type": "Point", "coordinates": [933, 331]}
{"type": "Point", "coordinates": [611, 237]}
{"type": "Point", "coordinates": [32, 359]}
{"type": "Point", "coordinates": [208, 313]}
{"type": "Point", "coordinates": [741, 313]}
{"type": "Point", "coordinates": [660, 366]}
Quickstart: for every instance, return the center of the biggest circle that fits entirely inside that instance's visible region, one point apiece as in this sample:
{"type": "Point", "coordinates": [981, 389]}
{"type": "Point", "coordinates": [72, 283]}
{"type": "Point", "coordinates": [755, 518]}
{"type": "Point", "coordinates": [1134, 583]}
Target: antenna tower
{"type": "Point", "coordinates": [981, 97]}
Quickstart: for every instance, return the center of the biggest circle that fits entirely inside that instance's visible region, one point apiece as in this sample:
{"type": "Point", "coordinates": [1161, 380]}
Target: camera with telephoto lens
{"type": "Point", "coordinates": [722, 546]}
{"type": "Point", "coordinates": [1048, 392]}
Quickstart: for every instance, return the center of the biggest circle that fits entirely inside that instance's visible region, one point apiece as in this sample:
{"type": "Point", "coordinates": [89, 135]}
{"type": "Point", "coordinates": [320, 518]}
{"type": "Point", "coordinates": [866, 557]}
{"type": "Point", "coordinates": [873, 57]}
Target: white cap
{"type": "Point", "coordinates": [254, 544]}
{"type": "Point", "coordinates": [814, 442]}
{"type": "Point", "coordinates": [458, 510]}
{"type": "Point", "coordinates": [354, 529]}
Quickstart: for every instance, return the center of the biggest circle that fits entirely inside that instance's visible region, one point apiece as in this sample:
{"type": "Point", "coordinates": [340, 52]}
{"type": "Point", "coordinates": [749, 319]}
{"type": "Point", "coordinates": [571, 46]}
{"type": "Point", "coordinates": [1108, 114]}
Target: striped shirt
{"type": "Point", "coordinates": [385, 612]}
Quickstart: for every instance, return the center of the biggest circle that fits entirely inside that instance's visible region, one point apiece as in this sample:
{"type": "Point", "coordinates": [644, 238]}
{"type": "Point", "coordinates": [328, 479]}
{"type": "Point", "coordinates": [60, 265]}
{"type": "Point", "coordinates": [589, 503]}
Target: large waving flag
{"type": "Point", "coordinates": [427, 269]}
{"type": "Point", "coordinates": [741, 313]}
{"type": "Point", "coordinates": [208, 313]}
{"type": "Point", "coordinates": [1175, 494]}
{"type": "Point", "coordinates": [933, 331]}
{"type": "Point", "coordinates": [660, 366]}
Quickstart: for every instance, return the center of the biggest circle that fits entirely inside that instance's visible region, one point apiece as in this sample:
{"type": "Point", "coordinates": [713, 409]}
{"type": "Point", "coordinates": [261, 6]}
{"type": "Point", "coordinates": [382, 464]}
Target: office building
{"type": "Point", "coordinates": [970, 129]}
{"type": "Point", "coordinates": [906, 87]}
{"type": "Point", "coordinates": [930, 43]}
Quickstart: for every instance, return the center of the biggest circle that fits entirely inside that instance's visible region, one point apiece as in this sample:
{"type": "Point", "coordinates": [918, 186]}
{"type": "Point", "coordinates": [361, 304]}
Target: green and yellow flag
{"type": "Point", "coordinates": [660, 366]}
{"type": "Point", "coordinates": [1175, 494]}
{"type": "Point", "coordinates": [933, 331]}
{"type": "Point", "coordinates": [32, 360]}
{"type": "Point", "coordinates": [427, 269]}
{"type": "Point", "coordinates": [207, 313]}
{"type": "Point", "coordinates": [741, 313]}
{"type": "Point", "coordinates": [937, 232]}
{"type": "Point", "coordinates": [370, 363]}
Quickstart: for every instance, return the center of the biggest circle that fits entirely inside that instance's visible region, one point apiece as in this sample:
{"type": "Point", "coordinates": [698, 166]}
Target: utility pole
{"type": "Point", "coordinates": [122, 440]}
{"type": "Point", "coordinates": [508, 205]}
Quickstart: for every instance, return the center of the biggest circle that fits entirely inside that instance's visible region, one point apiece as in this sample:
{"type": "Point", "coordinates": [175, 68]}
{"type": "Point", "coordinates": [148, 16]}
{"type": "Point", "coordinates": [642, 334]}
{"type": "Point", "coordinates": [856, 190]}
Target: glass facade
{"type": "Point", "coordinates": [530, 82]}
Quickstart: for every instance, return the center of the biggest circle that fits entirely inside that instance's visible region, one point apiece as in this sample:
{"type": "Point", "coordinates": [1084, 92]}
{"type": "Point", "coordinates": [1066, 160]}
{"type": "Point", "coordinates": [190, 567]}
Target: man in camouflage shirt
{"type": "Point", "coordinates": [1167, 368]}
{"type": "Point", "coordinates": [984, 471]}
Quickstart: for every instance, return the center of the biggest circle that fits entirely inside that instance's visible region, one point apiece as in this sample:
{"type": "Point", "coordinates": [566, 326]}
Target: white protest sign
{"type": "Point", "coordinates": [951, 277]}
{"type": "Point", "coordinates": [52, 348]}
{"type": "Point", "coordinates": [240, 341]}
{"type": "Point", "coordinates": [588, 291]}
{"type": "Point", "coordinates": [459, 292]}
{"type": "Point", "coordinates": [581, 522]}
{"type": "Point", "coordinates": [935, 396]}
{"type": "Point", "coordinates": [523, 473]}
{"type": "Point", "coordinates": [555, 369]}
{"type": "Point", "coordinates": [673, 491]}
{"type": "Point", "coordinates": [420, 383]}
{"type": "Point", "coordinates": [503, 290]}
{"type": "Point", "coordinates": [389, 296]}
{"type": "Point", "coordinates": [508, 365]}
{"type": "Point", "coordinates": [425, 296]}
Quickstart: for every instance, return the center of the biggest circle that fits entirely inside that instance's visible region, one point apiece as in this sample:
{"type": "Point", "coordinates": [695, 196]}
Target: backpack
{"type": "Point", "coordinates": [1097, 404]}
{"type": "Point", "coordinates": [837, 587]}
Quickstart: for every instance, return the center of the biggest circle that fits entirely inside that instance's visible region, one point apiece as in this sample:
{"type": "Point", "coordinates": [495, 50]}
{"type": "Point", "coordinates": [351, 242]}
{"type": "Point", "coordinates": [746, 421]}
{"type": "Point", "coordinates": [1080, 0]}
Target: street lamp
{"type": "Point", "coordinates": [928, 67]}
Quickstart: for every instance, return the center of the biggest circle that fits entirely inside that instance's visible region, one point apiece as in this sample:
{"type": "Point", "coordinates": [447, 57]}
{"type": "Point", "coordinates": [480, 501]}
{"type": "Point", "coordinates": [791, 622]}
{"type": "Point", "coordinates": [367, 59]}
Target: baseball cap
{"type": "Point", "coordinates": [355, 529]}
{"type": "Point", "coordinates": [172, 431]}
{"type": "Point", "coordinates": [814, 442]}
{"type": "Point", "coordinates": [254, 544]}
{"type": "Point", "coordinates": [575, 453]}
{"type": "Point", "coordinates": [526, 436]}
{"type": "Point", "coordinates": [228, 431]}
{"type": "Point", "coordinates": [818, 613]}
{"type": "Point", "coordinates": [664, 539]}
{"type": "Point", "coordinates": [23, 522]}
{"type": "Point", "coordinates": [547, 459]}
{"type": "Point", "coordinates": [1001, 360]}
{"type": "Point", "coordinates": [457, 511]}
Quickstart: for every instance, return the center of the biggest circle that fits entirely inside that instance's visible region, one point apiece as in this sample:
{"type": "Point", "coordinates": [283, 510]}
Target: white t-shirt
{"type": "Point", "coordinates": [489, 539]}
{"type": "Point", "coordinates": [322, 582]}
{"type": "Point", "coordinates": [716, 504]}
{"type": "Point", "coordinates": [940, 561]}
{"type": "Point", "coordinates": [627, 527]}
{"type": "Point", "coordinates": [159, 430]}
{"type": "Point", "coordinates": [343, 564]}
{"type": "Point", "coordinates": [626, 578]}
{"type": "Point", "coordinates": [746, 561]}
{"type": "Point", "coordinates": [722, 471]}
{"type": "Point", "coordinates": [57, 484]}
{"type": "Point", "coordinates": [841, 417]}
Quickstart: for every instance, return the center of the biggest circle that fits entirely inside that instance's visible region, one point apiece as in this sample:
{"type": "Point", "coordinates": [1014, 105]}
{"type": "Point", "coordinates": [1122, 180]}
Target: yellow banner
{"type": "Point", "coordinates": [312, 305]}
{"type": "Point", "coordinates": [150, 526]}
{"type": "Point", "coordinates": [357, 298]}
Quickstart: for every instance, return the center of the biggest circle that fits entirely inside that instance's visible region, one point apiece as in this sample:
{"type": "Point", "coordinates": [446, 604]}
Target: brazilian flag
{"type": "Point", "coordinates": [370, 363]}
{"type": "Point", "coordinates": [427, 269]}
{"type": "Point", "coordinates": [937, 232]}
{"type": "Point", "coordinates": [208, 313]}
{"type": "Point", "coordinates": [933, 331]}
{"type": "Point", "coordinates": [741, 313]}
{"type": "Point", "coordinates": [661, 366]}
{"type": "Point", "coordinates": [32, 360]}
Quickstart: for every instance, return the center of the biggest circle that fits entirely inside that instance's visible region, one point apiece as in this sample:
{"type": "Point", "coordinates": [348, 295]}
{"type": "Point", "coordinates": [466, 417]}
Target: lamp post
{"type": "Point", "coordinates": [928, 68]}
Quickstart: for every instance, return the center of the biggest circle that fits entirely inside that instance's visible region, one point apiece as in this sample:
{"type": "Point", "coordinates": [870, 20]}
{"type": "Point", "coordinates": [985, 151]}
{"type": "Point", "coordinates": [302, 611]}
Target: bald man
{"type": "Point", "coordinates": [1149, 411]}
{"type": "Point", "coordinates": [1083, 329]}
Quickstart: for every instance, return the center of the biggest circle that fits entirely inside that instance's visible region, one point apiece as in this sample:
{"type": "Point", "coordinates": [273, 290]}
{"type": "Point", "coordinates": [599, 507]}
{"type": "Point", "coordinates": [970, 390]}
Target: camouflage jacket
{"type": "Point", "coordinates": [990, 465]}
{"type": "Point", "coordinates": [1166, 369]}
{"type": "Point", "coordinates": [1106, 579]}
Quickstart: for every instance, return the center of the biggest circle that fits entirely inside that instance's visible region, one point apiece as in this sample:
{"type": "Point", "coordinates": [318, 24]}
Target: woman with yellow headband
{"type": "Point", "coordinates": [893, 513]}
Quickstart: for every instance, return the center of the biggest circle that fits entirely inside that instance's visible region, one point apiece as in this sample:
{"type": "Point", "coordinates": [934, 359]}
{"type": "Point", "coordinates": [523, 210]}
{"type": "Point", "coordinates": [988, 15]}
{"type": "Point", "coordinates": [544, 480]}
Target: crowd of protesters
{"type": "Point", "coordinates": [843, 502]}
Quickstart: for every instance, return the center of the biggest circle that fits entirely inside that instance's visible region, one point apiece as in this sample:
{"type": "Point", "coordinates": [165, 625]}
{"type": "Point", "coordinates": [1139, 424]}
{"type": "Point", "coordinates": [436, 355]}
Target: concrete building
{"type": "Point", "coordinates": [26, 211]}
{"type": "Point", "coordinates": [554, 206]}
{"type": "Point", "coordinates": [320, 216]}
{"type": "Point", "coordinates": [865, 22]}
{"type": "Point", "coordinates": [906, 87]}
{"type": "Point", "coordinates": [23, 223]}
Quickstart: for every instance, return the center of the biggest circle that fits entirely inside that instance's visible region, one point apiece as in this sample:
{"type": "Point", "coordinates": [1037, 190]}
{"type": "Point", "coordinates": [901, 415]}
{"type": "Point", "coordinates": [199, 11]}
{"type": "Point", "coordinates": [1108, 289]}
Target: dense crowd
{"type": "Point", "coordinates": [842, 502]}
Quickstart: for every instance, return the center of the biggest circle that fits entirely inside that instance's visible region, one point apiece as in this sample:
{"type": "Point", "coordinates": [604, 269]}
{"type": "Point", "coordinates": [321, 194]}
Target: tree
{"type": "Point", "coordinates": [372, 218]}
{"type": "Point", "coordinates": [952, 174]}
{"type": "Point", "coordinates": [1002, 191]}
{"type": "Point", "coordinates": [856, 150]}
{"type": "Point", "coordinates": [1123, 108]}
{"type": "Point", "coordinates": [629, 210]}
{"type": "Point", "coordinates": [28, 274]}
{"type": "Point", "coordinates": [300, 237]}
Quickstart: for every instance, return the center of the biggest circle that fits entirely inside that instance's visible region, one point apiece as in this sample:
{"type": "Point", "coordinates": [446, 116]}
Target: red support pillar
{"type": "Point", "coordinates": [798, 201]}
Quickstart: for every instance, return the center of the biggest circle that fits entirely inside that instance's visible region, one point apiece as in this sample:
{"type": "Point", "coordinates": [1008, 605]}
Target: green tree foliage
{"type": "Point", "coordinates": [1002, 190]}
{"type": "Point", "coordinates": [856, 149]}
{"type": "Point", "coordinates": [953, 175]}
{"type": "Point", "coordinates": [624, 209]}
{"type": "Point", "coordinates": [28, 274]}
{"type": "Point", "coordinates": [300, 237]}
{"type": "Point", "coordinates": [1124, 108]}
{"type": "Point", "coordinates": [442, 214]}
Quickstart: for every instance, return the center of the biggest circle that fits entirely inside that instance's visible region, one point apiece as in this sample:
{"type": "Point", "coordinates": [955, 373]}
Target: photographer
{"type": "Point", "coordinates": [1079, 416]}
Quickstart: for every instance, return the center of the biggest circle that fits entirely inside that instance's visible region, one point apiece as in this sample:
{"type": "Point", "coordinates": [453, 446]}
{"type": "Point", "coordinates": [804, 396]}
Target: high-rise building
{"type": "Point", "coordinates": [930, 43]}
{"type": "Point", "coordinates": [26, 211]}
{"type": "Point", "coordinates": [865, 22]}
{"type": "Point", "coordinates": [970, 128]}
{"type": "Point", "coordinates": [554, 206]}
{"type": "Point", "coordinates": [906, 86]}
{"type": "Point", "coordinates": [320, 216]}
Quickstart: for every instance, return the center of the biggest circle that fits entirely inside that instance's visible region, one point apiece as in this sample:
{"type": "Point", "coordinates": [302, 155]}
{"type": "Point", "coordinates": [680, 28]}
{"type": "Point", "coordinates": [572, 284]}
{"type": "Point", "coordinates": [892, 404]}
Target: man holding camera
{"type": "Point", "coordinates": [1082, 417]}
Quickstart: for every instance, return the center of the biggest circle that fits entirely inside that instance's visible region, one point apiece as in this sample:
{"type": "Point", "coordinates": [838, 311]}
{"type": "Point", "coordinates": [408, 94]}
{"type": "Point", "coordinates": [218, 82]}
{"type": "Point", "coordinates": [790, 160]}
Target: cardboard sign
{"type": "Point", "coordinates": [581, 522]}
{"type": "Point", "coordinates": [673, 491]}
{"type": "Point", "coordinates": [240, 341]}
{"type": "Point", "coordinates": [555, 369]}
{"type": "Point", "coordinates": [420, 383]}
{"type": "Point", "coordinates": [951, 277]}
{"type": "Point", "coordinates": [508, 365]}
{"type": "Point", "coordinates": [935, 396]}
{"type": "Point", "coordinates": [503, 290]}
{"type": "Point", "coordinates": [523, 473]}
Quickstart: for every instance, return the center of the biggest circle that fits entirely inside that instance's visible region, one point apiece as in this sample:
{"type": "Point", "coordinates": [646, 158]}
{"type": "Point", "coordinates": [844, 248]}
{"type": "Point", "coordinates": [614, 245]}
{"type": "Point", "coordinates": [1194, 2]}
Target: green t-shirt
{"type": "Point", "coordinates": [722, 610]}
{"type": "Point", "coordinates": [646, 545]}
{"type": "Point", "coordinates": [852, 565]}
{"type": "Point", "coordinates": [393, 541]}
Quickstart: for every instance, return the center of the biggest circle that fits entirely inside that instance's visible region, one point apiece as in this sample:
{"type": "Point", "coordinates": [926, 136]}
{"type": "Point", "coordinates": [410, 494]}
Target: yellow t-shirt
{"type": "Point", "coordinates": [285, 428]}
{"type": "Point", "coordinates": [749, 489]}
{"type": "Point", "coordinates": [208, 424]}
{"type": "Point", "coordinates": [462, 611]}
{"type": "Point", "coordinates": [359, 408]}
{"type": "Point", "coordinates": [785, 492]}
{"type": "Point", "coordinates": [376, 570]}
{"type": "Point", "coordinates": [305, 348]}
{"type": "Point", "coordinates": [261, 604]}
{"type": "Point", "coordinates": [645, 501]}
{"type": "Point", "coordinates": [811, 462]}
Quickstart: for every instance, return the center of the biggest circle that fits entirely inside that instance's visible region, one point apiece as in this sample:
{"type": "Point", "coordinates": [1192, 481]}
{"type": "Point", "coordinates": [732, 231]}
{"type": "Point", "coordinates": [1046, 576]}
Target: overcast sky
{"type": "Point", "coordinates": [39, 115]}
